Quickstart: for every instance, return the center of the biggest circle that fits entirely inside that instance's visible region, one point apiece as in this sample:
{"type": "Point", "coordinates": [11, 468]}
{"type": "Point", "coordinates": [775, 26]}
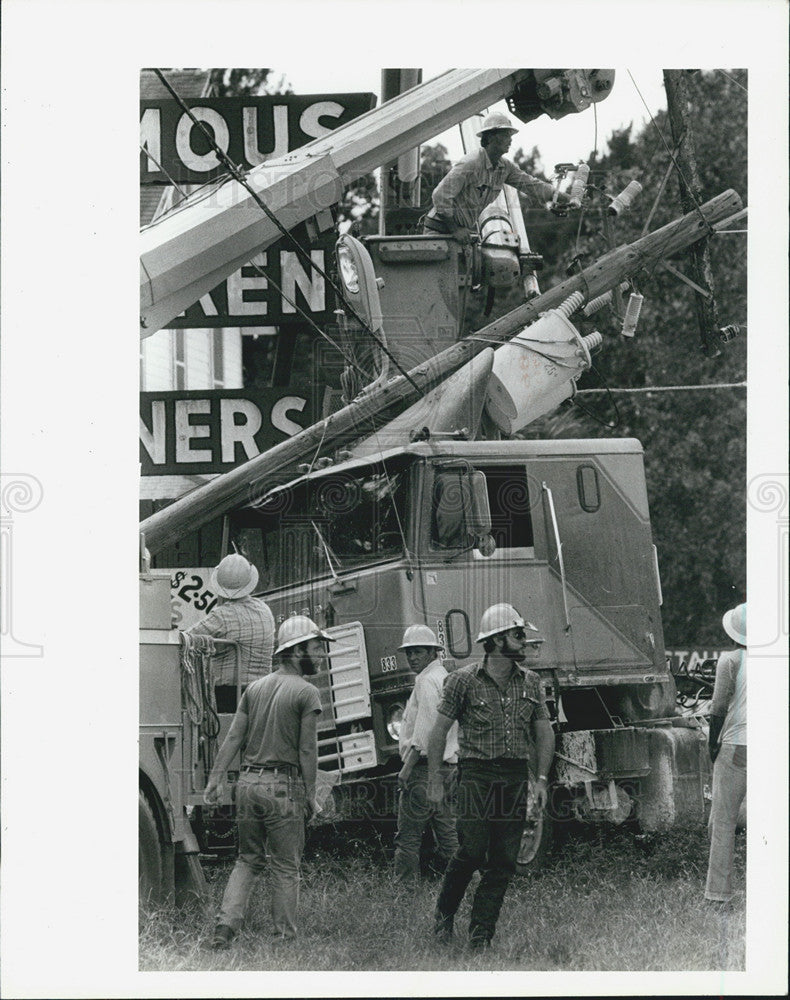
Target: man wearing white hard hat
{"type": "Point", "coordinates": [727, 744]}
{"type": "Point", "coordinates": [242, 618]}
{"type": "Point", "coordinates": [415, 812]}
{"type": "Point", "coordinates": [476, 180]}
{"type": "Point", "coordinates": [503, 720]}
{"type": "Point", "coordinates": [275, 729]}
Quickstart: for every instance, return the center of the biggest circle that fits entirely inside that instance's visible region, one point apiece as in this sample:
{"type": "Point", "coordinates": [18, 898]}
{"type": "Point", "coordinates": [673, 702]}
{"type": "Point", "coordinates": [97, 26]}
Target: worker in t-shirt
{"type": "Point", "coordinates": [275, 729]}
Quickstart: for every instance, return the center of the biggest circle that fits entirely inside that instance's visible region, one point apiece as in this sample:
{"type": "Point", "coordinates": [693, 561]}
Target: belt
{"type": "Point", "coordinates": [436, 225]}
{"type": "Point", "coordinates": [271, 768]}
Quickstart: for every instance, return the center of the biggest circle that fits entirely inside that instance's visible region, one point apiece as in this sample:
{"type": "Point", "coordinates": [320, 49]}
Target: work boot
{"type": "Point", "coordinates": [442, 927]}
{"type": "Point", "coordinates": [223, 935]}
{"type": "Point", "coordinates": [479, 938]}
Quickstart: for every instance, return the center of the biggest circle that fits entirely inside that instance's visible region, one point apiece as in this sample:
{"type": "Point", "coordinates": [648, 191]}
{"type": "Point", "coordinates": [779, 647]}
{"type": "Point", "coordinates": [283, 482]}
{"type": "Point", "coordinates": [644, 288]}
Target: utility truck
{"type": "Point", "coordinates": [416, 502]}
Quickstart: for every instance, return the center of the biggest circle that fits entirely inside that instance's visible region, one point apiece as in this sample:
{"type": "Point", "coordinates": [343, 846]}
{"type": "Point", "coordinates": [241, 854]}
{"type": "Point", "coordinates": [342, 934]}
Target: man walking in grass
{"type": "Point", "coordinates": [275, 729]}
{"type": "Point", "coordinates": [414, 810]}
{"type": "Point", "coordinates": [499, 706]}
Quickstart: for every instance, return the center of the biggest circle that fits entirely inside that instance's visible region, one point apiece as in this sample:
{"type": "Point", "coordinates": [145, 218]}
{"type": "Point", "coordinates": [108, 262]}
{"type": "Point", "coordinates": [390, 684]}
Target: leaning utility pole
{"type": "Point", "coordinates": [690, 198]}
{"type": "Point", "coordinates": [253, 478]}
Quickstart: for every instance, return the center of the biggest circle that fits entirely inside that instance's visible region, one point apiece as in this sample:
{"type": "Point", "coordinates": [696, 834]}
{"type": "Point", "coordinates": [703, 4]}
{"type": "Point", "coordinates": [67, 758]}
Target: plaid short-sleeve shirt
{"type": "Point", "coordinates": [249, 622]}
{"type": "Point", "coordinates": [493, 722]}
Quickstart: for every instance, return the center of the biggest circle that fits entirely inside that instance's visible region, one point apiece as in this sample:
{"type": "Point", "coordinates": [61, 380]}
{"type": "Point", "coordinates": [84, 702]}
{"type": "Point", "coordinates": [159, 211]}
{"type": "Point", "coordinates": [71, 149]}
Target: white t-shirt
{"type": "Point", "coordinates": [729, 696]}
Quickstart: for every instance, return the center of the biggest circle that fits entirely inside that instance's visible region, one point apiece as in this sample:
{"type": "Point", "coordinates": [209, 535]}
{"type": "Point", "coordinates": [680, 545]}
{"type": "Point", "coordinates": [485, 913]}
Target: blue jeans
{"type": "Point", "coordinates": [729, 789]}
{"type": "Point", "coordinates": [492, 807]}
{"type": "Point", "coordinates": [414, 814]}
{"type": "Point", "coordinates": [270, 812]}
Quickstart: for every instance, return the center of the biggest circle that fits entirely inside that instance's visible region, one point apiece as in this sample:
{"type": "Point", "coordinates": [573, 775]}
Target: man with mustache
{"type": "Point", "coordinates": [275, 728]}
{"type": "Point", "coordinates": [499, 706]}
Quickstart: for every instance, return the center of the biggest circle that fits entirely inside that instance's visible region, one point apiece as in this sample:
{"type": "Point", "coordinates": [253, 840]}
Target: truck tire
{"type": "Point", "coordinates": [536, 842]}
{"type": "Point", "coordinates": [149, 860]}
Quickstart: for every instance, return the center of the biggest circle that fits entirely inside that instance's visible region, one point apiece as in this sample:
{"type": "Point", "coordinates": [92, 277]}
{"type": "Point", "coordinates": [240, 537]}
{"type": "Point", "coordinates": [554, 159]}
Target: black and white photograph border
{"type": "Point", "coordinates": [69, 368]}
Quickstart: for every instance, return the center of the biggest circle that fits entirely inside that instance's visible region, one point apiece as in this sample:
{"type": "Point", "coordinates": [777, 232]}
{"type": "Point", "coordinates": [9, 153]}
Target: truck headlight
{"type": "Point", "coordinates": [348, 268]}
{"type": "Point", "coordinates": [394, 720]}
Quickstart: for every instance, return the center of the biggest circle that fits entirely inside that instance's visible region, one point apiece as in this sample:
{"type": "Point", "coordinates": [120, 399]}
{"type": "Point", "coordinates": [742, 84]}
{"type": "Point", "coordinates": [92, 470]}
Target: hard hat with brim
{"type": "Point", "coordinates": [501, 618]}
{"type": "Point", "coordinates": [734, 622]}
{"type": "Point", "coordinates": [298, 629]}
{"type": "Point", "coordinates": [234, 577]}
{"type": "Point", "coordinates": [419, 635]}
{"type": "Point", "coordinates": [496, 122]}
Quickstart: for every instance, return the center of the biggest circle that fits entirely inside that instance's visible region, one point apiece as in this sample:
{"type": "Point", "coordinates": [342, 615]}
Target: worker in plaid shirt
{"type": "Point", "coordinates": [246, 620]}
{"type": "Point", "coordinates": [499, 707]}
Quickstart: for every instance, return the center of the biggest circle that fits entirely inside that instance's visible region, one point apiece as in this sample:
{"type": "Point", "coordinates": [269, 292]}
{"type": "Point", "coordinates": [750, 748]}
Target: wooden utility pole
{"type": "Point", "coordinates": [690, 197]}
{"type": "Point", "coordinates": [255, 477]}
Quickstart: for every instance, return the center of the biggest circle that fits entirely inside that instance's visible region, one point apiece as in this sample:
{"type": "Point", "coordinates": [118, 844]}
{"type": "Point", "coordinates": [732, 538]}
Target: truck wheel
{"type": "Point", "coordinates": [149, 860]}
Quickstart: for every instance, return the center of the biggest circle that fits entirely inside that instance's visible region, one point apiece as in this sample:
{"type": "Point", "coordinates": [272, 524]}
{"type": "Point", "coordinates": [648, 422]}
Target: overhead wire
{"type": "Point", "coordinates": [732, 78]}
{"type": "Point", "coordinates": [238, 175]}
{"type": "Point", "coordinates": [667, 388]}
{"type": "Point", "coordinates": [146, 152]}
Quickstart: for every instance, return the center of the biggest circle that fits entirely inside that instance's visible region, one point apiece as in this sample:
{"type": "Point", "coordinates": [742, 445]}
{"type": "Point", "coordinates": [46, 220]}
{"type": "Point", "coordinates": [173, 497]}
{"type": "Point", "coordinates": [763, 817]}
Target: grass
{"type": "Point", "coordinates": [606, 900]}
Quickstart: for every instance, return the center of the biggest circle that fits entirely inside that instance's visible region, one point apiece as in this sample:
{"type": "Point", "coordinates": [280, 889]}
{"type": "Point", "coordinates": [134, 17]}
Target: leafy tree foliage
{"type": "Point", "coordinates": [694, 441]}
{"type": "Point", "coordinates": [244, 82]}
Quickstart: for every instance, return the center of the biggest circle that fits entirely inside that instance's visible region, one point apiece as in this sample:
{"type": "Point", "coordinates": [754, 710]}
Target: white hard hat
{"type": "Point", "coordinates": [419, 635]}
{"type": "Point", "coordinates": [496, 120]}
{"type": "Point", "coordinates": [734, 622]}
{"type": "Point", "coordinates": [234, 577]}
{"type": "Point", "coordinates": [296, 629]}
{"type": "Point", "coordinates": [501, 618]}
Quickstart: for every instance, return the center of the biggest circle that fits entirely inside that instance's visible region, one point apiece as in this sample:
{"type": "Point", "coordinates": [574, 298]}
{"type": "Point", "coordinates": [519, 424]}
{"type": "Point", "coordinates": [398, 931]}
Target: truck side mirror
{"type": "Point", "coordinates": [479, 519]}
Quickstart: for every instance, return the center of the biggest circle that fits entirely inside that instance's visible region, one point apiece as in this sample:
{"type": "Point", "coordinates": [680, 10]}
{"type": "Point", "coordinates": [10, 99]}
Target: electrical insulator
{"type": "Point", "coordinates": [579, 185]}
{"type": "Point", "coordinates": [632, 311]}
{"type": "Point", "coordinates": [602, 300]}
{"type": "Point", "coordinates": [728, 333]}
{"type": "Point", "coordinates": [571, 304]}
{"type": "Point", "coordinates": [593, 341]}
{"type": "Point", "coordinates": [623, 201]}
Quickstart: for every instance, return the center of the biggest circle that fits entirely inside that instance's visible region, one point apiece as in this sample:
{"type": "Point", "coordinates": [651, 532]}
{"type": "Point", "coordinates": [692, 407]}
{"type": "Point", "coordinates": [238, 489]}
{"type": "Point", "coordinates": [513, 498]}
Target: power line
{"type": "Point", "coordinates": [733, 80]}
{"type": "Point", "coordinates": [239, 177]}
{"type": "Point", "coordinates": [669, 388]}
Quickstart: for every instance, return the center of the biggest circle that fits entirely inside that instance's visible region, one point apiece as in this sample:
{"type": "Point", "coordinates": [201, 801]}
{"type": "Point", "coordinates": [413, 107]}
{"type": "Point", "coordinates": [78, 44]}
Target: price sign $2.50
{"type": "Point", "coordinates": [190, 598]}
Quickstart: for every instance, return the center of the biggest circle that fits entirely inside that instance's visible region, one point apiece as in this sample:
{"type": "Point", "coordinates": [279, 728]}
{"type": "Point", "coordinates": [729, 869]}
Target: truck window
{"type": "Point", "coordinates": [510, 504]}
{"type": "Point", "coordinates": [333, 523]}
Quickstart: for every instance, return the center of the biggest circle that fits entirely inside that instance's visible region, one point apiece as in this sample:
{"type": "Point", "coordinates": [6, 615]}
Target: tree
{"type": "Point", "coordinates": [244, 82]}
{"type": "Point", "coordinates": [695, 443]}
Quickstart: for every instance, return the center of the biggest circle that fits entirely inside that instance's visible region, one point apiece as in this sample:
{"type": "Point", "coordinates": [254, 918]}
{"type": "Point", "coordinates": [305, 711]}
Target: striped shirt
{"type": "Point", "coordinates": [249, 622]}
{"type": "Point", "coordinates": [473, 183]}
{"type": "Point", "coordinates": [419, 715]}
{"type": "Point", "coordinates": [495, 722]}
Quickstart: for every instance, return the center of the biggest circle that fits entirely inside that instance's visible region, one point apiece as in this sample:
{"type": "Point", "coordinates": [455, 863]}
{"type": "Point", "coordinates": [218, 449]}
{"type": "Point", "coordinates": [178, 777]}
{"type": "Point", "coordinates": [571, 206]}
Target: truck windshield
{"type": "Point", "coordinates": [333, 523]}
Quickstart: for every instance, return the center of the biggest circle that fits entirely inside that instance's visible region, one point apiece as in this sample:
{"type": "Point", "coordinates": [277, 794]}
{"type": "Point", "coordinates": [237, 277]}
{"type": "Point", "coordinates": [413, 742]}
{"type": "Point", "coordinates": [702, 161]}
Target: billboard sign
{"type": "Point", "coordinates": [204, 432]}
{"type": "Point", "coordinates": [250, 130]}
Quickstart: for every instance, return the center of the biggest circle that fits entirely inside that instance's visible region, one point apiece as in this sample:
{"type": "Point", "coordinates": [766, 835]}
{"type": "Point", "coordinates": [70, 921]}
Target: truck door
{"type": "Point", "coordinates": [593, 529]}
{"type": "Point", "coordinates": [458, 581]}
